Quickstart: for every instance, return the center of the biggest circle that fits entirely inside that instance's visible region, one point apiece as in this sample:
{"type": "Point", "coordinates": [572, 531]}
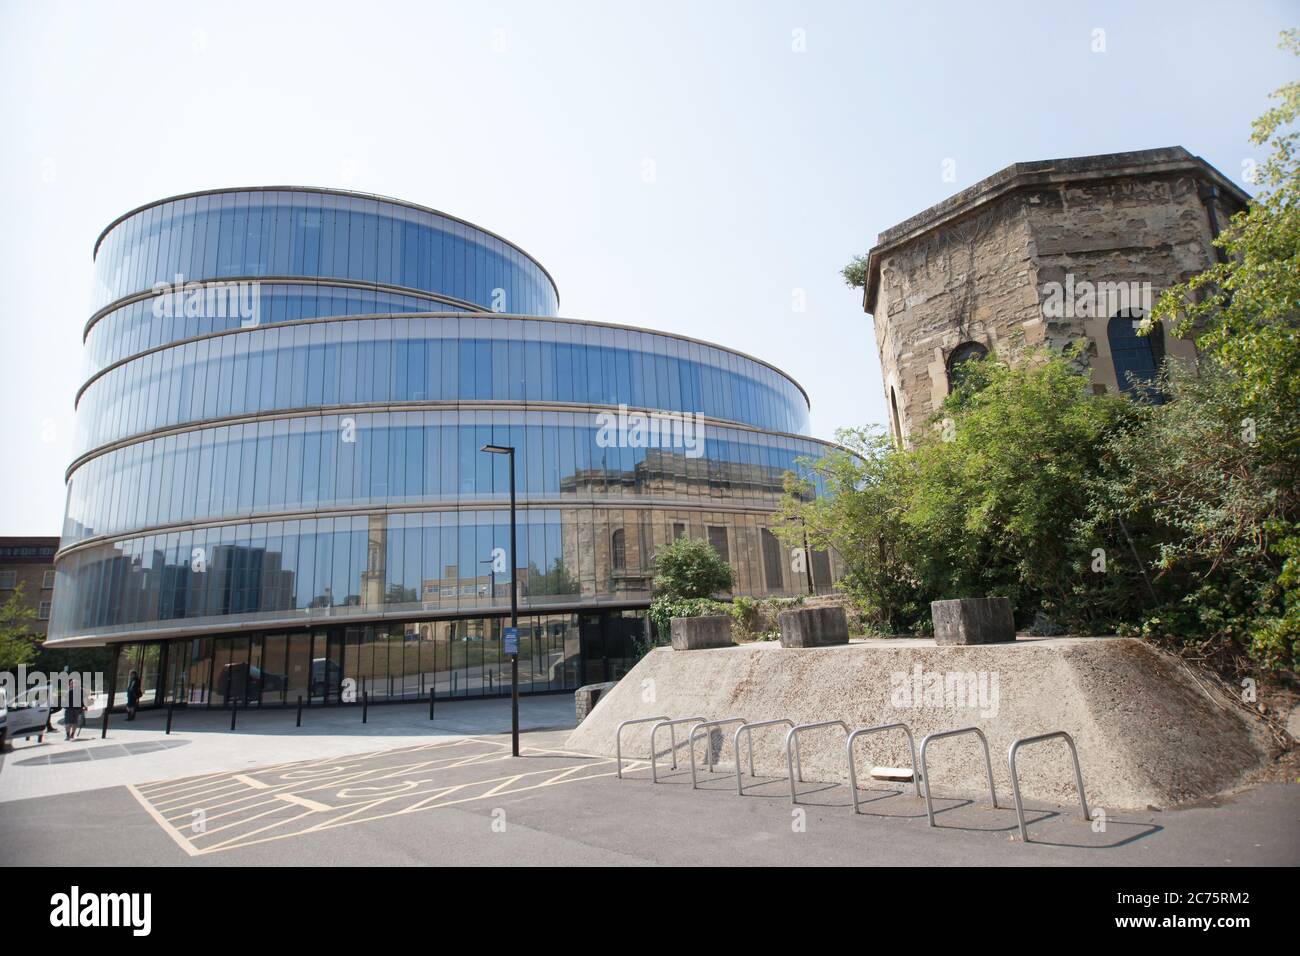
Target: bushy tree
{"type": "Point", "coordinates": [689, 568]}
{"type": "Point", "coordinates": [861, 517]}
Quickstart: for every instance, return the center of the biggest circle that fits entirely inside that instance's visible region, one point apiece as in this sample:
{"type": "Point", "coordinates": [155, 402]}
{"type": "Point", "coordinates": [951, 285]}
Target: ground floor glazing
{"type": "Point", "coordinates": [457, 658]}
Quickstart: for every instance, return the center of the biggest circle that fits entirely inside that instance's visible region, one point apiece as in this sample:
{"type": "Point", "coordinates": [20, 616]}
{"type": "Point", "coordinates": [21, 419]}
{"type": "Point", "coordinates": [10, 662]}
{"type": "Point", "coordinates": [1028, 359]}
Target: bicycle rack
{"type": "Point", "coordinates": [792, 742]}
{"type": "Point", "coordinates": [1015, 782]}
{"type": "Point", "coordinates": [672, 736]}
{"type": "Point", "coordinates": [753, 726]}
{"type": "Point", "coordinates": [988, 765]}
{"type": "Point", "coordinates": [708, 754]}
{"type": "Point", "coordinates": [853, 770]}
{"type": "Point", "coordinates": [618, 741]}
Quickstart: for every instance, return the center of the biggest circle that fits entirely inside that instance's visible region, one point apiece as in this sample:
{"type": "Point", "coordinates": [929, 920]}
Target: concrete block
{"type": "Point", "coordinates": [813, 627]}
{"type": "Point", "coordinates": [699, 633]}
{"type": "Point", "coordinates": [973, 621]}
{"type": "Point", "coordinates": [584, 698]}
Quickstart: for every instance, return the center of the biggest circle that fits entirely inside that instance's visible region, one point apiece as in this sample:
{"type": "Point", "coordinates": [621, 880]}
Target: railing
{"type": "Point", "coordinates": [708, 754]}
{"type": "Point", "coordinates": [750, 727]}
{"type": "Point", "coordinates": [618, 741]}
{"type": "Point", "coordinates": [880, 728]}
{"type": "Point", "coordinates": [1015, 781]}
{"type": "Point", "coordinates": [792, 750]}
{"type": "Point", "coordinates": [988, 766]}
{"type": "Point", "coordinates": [672, 736]}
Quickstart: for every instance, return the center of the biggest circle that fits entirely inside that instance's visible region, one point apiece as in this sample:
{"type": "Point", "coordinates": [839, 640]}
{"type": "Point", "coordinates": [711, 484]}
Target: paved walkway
{"type": "Point", "coordinates": [201, 741]}
{"type": "Point", "coordinates": [459, 799]}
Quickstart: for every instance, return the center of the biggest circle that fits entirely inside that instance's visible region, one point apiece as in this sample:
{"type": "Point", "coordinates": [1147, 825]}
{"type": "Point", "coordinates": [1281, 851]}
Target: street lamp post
{"type": "Point", "coordinates": [514, 601]}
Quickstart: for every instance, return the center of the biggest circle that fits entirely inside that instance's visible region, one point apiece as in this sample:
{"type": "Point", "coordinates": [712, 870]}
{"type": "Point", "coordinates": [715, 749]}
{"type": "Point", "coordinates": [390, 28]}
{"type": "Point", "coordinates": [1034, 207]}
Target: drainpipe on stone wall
{"type": "Point", "coordinates": [1208, 196]}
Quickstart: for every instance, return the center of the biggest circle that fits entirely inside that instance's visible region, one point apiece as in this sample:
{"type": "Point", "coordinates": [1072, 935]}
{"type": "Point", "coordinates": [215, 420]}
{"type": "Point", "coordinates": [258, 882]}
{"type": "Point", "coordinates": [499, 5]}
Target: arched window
{"type": "Point", "coordinates": [1137, 358]}
{"type": "Point", "coordinates": [772, 561]}
{"type": "Point", "coordinates": [966, 352]}
{"type": "Point", "coordinates": [618, 550]}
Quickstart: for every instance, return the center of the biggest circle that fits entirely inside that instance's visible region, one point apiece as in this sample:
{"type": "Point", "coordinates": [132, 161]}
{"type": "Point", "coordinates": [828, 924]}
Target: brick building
{"type": "Point", "coordinates": [29, 562]}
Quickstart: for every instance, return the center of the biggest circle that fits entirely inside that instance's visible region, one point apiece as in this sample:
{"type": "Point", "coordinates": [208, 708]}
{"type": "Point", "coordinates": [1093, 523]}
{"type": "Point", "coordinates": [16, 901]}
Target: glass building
{"type": "Point", "coordinates": [279, 488]}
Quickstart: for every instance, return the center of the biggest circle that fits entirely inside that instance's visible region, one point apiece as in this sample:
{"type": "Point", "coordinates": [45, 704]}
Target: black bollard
{"type": "Point", "coordinates": [234, 710]}
{"type": "Point", "coordinates": [432, 693]}
{"type": "Point", "coordinates": [169, 716]}
{"type": "Point", "coordinates": [365, 705]}
{"type": "Point", "coordinates": [299, 724]}
{"type": "Point", "coordinates": [104, 732]}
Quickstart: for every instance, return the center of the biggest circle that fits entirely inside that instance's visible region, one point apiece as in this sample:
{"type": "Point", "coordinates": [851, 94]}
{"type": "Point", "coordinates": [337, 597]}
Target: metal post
{"type": "Point", "coordinates": [234, 710]}
{"type": "Point", "coordinates": [169, 717]}
{"type": "Point", "coordinates": [514, 620]}
{"type": "Point", "coordinates": [299, 723]}
{"type": "Point", "coordinates": [365, 705]}
{"type": "Point", "coordinates": [433, 692]}
{"type": "Point", "coordinates": [807, 561]}
{"type": "Point", "coordinates": [112, 691]}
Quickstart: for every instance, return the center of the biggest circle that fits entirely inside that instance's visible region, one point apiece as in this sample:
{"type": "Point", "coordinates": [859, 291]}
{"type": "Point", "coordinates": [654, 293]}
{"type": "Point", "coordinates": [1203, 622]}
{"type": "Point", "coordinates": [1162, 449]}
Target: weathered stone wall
{"type": "Point", "coordinates": [971, 282]}
{"type": "Point", "coordinates": [1152, 230]}
{"type": "Point", "coordinates": [978, 267]}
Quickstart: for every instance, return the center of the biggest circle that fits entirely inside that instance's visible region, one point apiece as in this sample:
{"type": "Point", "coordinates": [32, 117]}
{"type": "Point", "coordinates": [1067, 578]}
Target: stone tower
{"type": "Point", "coordinates": [1043, 253]}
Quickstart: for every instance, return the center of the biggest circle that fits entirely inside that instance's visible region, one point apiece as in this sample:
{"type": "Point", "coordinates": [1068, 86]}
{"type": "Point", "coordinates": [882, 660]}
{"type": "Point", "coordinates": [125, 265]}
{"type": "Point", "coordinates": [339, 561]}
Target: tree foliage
{"type": "Point", "coordinates": [689, 568]}
{"type": "Point", "coordinates": [1178, 520]}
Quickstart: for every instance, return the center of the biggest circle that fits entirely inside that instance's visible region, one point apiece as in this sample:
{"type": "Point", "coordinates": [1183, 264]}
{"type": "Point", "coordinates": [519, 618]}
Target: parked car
{"type": "Point", "coordinates": [26, 716]}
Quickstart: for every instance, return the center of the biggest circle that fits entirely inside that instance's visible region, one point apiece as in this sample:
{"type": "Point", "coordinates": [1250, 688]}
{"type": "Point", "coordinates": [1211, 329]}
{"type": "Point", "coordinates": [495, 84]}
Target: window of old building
{"type": "Point", "coordinates": [1137, 358]}
{"type": "Point", "coordinates": [772, 561]}
{"type": "Point", "coordinates": [618, 548]}
{"type": "Point", "coordinates": [966, 352]}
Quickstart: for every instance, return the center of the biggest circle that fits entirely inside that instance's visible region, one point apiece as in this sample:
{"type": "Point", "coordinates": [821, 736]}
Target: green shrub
{"type": "Point", "coordinates": [688, 568]}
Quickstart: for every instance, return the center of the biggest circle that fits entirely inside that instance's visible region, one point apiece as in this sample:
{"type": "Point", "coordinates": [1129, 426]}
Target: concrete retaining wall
{"type": "Point", "coordinates": [1147, 734]}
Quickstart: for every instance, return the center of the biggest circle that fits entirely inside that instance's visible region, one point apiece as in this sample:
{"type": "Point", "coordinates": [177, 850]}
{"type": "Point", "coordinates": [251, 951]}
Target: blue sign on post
{"type": "Point", "coordinates": [512, 640]}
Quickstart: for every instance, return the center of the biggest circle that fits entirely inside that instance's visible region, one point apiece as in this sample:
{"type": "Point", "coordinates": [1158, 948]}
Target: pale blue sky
{"type": "Point", "coordinates": [535, 119]}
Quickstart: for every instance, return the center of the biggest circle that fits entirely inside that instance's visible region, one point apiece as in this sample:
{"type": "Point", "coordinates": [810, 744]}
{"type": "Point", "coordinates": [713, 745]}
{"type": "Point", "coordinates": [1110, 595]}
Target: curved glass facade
{"type": "Point", "coordinates": [311, 470]}
{"type": "Point", "coordinates": [134, 327]}
{"type": "Point", "coordinates": [252, 233]}
{"type": "Point", "coordinates": [431, 358]}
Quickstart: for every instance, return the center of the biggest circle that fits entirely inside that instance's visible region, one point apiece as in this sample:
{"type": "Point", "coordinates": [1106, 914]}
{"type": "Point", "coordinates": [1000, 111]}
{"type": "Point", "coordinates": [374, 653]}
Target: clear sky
{"type": "Point", "coordinates": [782, 137]}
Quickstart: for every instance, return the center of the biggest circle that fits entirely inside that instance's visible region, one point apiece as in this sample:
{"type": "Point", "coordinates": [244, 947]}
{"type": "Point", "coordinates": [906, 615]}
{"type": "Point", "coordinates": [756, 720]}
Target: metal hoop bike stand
{"type": "Point", "coordinates": [708, 753]}
{"type": "Point", "coordinates": [753, 726]}
{"type": "Point", "coordinates": [672, 736]}
{"type": "Point", "coordinates": [853, 769]}
{"type": "Point", "coordinates": [618, 741]}
{"type": "Point", "coordinates": [792, 749]}
{"type": "Point", "coordinates": [988, 766]}
{"type": "Point", "coordinates": [1015, 782]}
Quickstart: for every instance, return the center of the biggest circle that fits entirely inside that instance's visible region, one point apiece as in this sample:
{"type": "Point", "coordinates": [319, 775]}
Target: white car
{"type": "Point", "coordinates": [26, 716]}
